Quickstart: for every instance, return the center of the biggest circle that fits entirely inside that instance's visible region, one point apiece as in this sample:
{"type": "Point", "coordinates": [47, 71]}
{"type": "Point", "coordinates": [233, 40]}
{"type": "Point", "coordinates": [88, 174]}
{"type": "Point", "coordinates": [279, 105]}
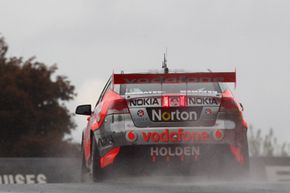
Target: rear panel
{"type": "Point", "coordinates": [174, 105]}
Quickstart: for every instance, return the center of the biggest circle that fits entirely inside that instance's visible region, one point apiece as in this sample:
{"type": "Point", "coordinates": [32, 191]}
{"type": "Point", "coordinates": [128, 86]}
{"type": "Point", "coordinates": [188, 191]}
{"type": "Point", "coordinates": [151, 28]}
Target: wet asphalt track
{"type": "Point", "coordinates": [154, 184]}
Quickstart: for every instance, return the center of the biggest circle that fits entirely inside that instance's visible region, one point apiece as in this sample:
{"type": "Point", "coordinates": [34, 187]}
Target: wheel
{"type": "Point", "coordinates": [245, 168]}
{"type": "Point", "coordinates": [84, 169]}
{"type": "Point", "coordinates": [232, 168]}
{"type": "Point", "coordinates": [97, 172]}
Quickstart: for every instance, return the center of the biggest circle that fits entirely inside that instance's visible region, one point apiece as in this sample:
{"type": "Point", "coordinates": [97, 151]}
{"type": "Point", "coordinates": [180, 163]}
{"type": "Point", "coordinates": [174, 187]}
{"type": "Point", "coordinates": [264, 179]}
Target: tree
{"type": "Point", "coordinates": [33, 116]}
{"type": "Point", "coordinates": [266, 145]}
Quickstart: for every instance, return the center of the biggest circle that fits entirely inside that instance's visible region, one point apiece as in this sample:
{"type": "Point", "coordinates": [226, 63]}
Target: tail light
{"type": "Point", "coordinates": [165, 101]}
{"type": "Point", "coordinates": [182, 101]}
{"type": "Point", "coordinates": [228, 103]}
{"type": "Point", "coordinates": [118, 106]}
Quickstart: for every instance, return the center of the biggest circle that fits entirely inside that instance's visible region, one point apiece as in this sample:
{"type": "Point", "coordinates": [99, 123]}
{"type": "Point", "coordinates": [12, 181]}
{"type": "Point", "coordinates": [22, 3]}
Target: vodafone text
{"type": "Point", "coordinates": [175, 136]}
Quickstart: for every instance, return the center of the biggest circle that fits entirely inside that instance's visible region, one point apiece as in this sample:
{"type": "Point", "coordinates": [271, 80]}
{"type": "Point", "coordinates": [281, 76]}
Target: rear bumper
{"type": "Point", "coordinates": [225, 130]}
{"type": "Point", "coordinates": [133, 140]}
{"type": "Point", "coordinates": [167, 136]}
{"type": "Point", "coordinates": [139, 160]}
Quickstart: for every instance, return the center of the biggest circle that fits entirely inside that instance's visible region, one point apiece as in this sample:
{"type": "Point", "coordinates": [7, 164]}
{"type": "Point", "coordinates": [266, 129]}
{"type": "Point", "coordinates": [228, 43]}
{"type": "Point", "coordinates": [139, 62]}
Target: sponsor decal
{"type": "Point", "coordinates": [202, 101]}
{"type": "Point", "coordinates": [199, 92]}
{"type": "Point", "coordinates": [175, 77]}
{"type": "Point", "coordinates": [23, 179]}
{"type": "Point", "coordinates": [172, 115]}
{"type": "Point", "coordinates": [131, 136]}
{"type": "Point", "coordinates": [208, 111]}
{"type": "Point", "coordinates": [174, 101]}
{"type": "Point", "coordinates": [179, 79]}
{"type": "Point", "coordinates": [144, 102]}
{"type": "Point", "coordinates": [175, 136]}
{"type": "Point", "coordinates": [196, 92]}
{"type": "Point", "coordinates": [144, 92]}
{"type": "Point", "coordinates": [140, 113]}
{"type": "Point", "coordinates": [175, 151]}
{"type": "Point", "coordinates": [218, 135]}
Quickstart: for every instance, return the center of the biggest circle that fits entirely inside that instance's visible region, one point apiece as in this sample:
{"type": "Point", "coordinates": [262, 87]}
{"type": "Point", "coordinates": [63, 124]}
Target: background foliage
{"type": "Point", "coordinates": [33, 116]}
{"type": "Point", "coordinates": [266, 145]}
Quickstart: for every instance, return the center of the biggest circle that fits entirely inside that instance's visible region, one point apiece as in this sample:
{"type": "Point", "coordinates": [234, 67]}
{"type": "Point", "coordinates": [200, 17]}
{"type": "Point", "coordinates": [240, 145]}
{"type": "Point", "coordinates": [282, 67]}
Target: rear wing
{"type": "Point", "coordinates": [229, 77]}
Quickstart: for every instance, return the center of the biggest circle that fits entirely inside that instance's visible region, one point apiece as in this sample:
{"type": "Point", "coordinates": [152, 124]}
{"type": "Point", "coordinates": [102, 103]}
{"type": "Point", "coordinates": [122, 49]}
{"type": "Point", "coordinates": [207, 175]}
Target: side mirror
{"type": "Point", "coordinates": [84, 110]}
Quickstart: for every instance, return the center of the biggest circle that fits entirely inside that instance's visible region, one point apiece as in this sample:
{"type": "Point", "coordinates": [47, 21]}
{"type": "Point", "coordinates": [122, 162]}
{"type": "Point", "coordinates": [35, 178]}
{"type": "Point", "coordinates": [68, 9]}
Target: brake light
{"type": "Point", "coordinates": [228, 103]}
{"type": "Point", "coordinates": [118, 106]}
{"type": "Point", "coordinates": [165, 101]}
{"type": "Point", "coordinates": [182, 101]}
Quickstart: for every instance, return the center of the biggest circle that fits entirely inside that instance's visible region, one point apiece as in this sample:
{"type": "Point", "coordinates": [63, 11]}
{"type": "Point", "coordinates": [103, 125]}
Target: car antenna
{"type": "Point", "coordinates": [164, 63]}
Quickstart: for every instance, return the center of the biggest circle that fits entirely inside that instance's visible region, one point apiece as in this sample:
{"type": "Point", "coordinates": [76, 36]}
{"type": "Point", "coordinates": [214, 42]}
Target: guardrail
{"type": "Point", "coordinates": [64, 170]}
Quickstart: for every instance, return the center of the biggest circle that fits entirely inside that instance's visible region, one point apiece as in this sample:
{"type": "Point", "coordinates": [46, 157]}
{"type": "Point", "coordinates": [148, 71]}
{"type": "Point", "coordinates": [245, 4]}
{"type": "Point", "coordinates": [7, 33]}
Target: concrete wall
{"type": "Point", "coordinates": [64, 170]}
{"type": "Point", "coordinates": [39, 170]}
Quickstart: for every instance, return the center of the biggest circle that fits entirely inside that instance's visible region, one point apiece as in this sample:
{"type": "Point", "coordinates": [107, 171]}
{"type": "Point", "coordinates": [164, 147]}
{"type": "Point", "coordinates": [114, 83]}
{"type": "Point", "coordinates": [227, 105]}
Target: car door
{"type": "Point", "coordinates": [91, 121]}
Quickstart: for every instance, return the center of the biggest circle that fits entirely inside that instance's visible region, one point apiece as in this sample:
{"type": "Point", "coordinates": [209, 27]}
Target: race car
{"type": "Point", "coordinates": [181, 121]}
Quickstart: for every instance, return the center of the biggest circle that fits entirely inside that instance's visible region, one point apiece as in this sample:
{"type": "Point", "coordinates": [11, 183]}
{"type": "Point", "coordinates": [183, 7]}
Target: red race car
{"type": "Point", "coordinates": [175, 121]}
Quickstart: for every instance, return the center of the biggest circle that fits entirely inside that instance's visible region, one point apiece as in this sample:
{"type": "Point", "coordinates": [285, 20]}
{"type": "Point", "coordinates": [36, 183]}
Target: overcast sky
{"type": "Point", "coordinates": [88, 39]}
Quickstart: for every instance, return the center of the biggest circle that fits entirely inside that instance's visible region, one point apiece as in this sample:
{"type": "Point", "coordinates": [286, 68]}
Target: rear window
{"type": "Point", "coordinates": [169, 88]}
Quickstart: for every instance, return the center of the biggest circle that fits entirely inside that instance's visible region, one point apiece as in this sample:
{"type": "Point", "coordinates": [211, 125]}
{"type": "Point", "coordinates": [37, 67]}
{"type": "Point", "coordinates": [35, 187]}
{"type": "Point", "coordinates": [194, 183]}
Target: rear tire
{"type": "Point", "coordinates": [245, 168]}
{"type": "Point", "coordinates": [96, 171]}
{"type": "Point", "coordinates": [84, 169]}
{"type": "Point", "coordinates": [232, 167]}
